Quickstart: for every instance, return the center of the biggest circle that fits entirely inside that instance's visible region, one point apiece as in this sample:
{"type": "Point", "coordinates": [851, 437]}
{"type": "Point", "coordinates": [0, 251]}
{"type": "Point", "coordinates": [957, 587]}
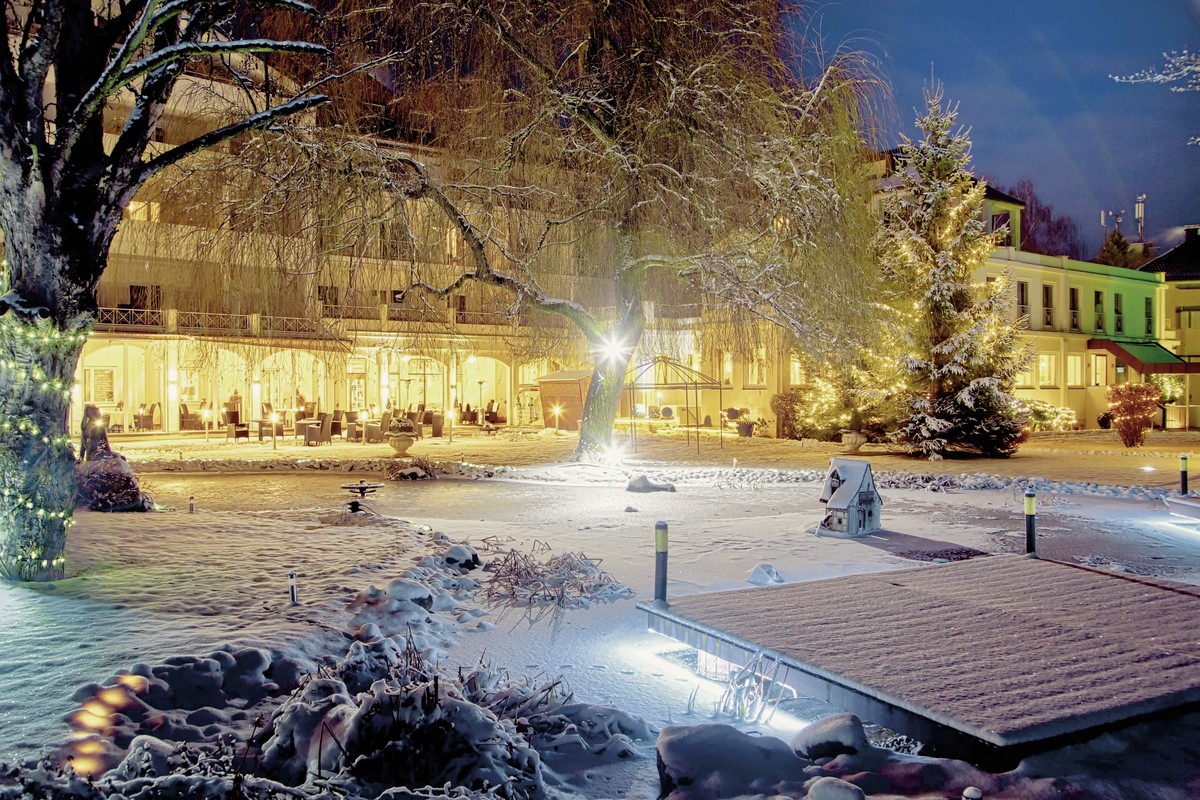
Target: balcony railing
{"type": "Point", "coordinates": [1047, 317]}
{"type": "Point", "coordinates": [212, 322]}
{"type": "Point", "coordinates": [482, 318]}
{"type": "Point", "coordinates": [1099, 323]}
{"type": "Point", "coordinates": [300, 327]}
{"type": "Point", "coordinates": [351, 312]}
{"type": "Point", "coordinates": [400, 314]}
{"type": "Point", "coordinates": [1118, 324]}
{"type": "Point", "coordinates": [1075, 319]}
{"type": "Point", "coordinates": [131, 319]}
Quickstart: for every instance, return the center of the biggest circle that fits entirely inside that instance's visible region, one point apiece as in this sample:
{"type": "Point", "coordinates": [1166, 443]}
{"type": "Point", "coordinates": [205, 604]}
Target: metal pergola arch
{"type": "Point", "coordinates": [674, 375]}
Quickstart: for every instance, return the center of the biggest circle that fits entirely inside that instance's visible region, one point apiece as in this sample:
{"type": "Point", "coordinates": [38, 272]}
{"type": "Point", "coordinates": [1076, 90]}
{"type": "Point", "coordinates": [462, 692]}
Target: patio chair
{"type": "Point", "coordinates": [234, 427]}
{"type": "Point", "coordinates": [144, 419]}
{"type": "Point", "coordinates": [336, 428]}
{"type": "Point", "coordinates": [264, 424]}
{"type": "Point", "coordinates": [320, 432]}
{"type": "Point", "coordinates": [189, 420]}
{"type": "Point", "coordinates": [377, 430]}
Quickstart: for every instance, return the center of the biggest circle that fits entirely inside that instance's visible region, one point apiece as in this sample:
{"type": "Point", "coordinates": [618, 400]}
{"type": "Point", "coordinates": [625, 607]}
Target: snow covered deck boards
{"type": "Point", "coordinates": [984, 659]}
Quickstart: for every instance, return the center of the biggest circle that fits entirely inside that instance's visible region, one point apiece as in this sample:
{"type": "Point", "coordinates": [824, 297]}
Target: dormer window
{"type": "Point", "coordinates": [1002, 223]}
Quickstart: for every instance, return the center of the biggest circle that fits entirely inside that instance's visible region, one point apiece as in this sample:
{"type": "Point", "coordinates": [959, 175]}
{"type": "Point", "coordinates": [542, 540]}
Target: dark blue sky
{"type": "Point", "coordinates": [1032, 83]}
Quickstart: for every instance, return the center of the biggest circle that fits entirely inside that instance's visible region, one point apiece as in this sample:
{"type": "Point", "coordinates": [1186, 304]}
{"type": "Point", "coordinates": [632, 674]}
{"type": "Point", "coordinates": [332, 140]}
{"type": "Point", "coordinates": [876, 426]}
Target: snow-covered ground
{"type": "Point", "coordinates": [162, 589]}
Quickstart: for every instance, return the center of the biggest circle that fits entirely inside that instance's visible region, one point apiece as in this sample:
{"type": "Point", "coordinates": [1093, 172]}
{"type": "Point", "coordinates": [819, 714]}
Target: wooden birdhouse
{"type": "Point", "coordinates": [853, 507]}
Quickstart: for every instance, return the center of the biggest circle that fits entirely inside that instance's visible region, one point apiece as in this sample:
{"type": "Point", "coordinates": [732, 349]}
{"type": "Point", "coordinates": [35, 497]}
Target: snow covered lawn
{"type": "Point", "coordinates": [193, 611]}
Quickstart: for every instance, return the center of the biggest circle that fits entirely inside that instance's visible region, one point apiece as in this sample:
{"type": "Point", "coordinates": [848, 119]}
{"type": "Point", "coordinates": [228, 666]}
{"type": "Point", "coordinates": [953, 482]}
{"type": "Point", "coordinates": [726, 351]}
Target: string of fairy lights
{"type": "Point", "coordinates": [26, 560]}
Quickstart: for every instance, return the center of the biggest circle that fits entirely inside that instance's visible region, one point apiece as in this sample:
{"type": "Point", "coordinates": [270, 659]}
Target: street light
{"type": "Point", "coordinates": [450, 420]}
{"type": "Point", "coordinates": [480, 411]}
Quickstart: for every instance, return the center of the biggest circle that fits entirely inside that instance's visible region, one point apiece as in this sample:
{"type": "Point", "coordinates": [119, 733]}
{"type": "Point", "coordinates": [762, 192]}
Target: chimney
{"type": "Point", "coordinates": [1190, 232]}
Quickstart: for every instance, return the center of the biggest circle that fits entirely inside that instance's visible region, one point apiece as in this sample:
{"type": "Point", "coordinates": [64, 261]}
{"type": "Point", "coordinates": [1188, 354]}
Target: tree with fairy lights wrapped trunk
{"type": "Point", "coordinates": [963, 353]}
{"type": "Point", "coordinates": [83, 88]}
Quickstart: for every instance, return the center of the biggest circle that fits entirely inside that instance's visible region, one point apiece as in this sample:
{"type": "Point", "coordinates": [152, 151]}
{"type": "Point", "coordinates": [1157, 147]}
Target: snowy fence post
{"type": "Point", "coordinates": [292, 588]}
{"type": "Point", "coordinates": [192, 504]}
{"type": "Point", "coordinates": [1183, 487]}
{"type": "Point", "coordinates": [1030, 523]}
{"type": "Point", "coordinates": [660, 562]}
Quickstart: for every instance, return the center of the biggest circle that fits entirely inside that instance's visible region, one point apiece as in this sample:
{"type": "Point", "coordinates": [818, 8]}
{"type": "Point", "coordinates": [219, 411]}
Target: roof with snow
{"type": "Point", "coordinates": [1180, 263]}
{"type": "Point", "coordinates": [855, 476]}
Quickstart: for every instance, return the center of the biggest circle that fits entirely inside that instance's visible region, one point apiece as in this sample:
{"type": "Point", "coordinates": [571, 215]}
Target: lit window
{"type": "Point", "coordinates": [145, 211]}
{"type": "Point", "coordinates": [1074, 370]}
{"type": "Point", "coordinates": [1047, 369]}
{"type": "Point", "coordinates": [756, 368]}
{"type": "Point", "coordinates": [795, 372]}
{"type": "Point", "coordinates": [1024, 378]}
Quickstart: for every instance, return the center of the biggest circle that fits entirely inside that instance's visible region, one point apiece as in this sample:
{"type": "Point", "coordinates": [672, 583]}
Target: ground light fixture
{"type": "Point", "coordinates": [450, 423]}
{"type": "Point", "coordinates": [556, 411]}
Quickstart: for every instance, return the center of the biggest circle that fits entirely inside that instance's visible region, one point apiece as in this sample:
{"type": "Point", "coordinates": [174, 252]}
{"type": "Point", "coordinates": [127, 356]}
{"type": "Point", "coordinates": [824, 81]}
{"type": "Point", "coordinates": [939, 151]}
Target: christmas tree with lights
{"type": "Point", "coordinates": [963, 354]}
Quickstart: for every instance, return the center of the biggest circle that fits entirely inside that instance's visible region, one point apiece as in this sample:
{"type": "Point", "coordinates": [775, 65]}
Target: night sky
{"type": "Point", "coordinates": [1032, 83]}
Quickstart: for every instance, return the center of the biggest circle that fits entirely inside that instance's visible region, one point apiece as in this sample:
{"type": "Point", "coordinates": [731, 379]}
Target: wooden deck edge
{"type": "Point", "coordinates": [837, 690]}
{"type": "Point", "coordinates": [941, 735]}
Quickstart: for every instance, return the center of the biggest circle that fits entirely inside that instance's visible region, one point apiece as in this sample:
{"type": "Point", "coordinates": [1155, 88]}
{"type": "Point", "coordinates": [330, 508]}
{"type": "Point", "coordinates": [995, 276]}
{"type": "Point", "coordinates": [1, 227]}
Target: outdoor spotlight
{"type": "Point", "coordinates": [611, 350]}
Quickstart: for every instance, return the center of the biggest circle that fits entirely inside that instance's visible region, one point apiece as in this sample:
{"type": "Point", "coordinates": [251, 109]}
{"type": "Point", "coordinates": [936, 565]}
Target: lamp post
{"type": "Point", "coordinates": [450, 423]}
{"type": "Point", "coordinates": [274, 423]}
{"type": "Point", "coordinates": [204, 412]}
{"type": "Point", "coordinates": [556, 411]}
{"type": "Point", "coordinates": [480, 411]}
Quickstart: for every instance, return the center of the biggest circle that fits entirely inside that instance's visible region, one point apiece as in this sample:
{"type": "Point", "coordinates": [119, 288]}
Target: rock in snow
{"type": "Point", "coordinates": [643, 484]}
{"type": "Point", "coordinates": [764, 575]}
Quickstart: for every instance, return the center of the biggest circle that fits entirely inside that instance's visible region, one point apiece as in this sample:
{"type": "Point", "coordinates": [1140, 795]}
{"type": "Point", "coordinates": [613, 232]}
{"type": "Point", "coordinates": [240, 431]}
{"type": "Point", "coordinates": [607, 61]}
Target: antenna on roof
{"type": "Point", "coordinates": [1139, 212]}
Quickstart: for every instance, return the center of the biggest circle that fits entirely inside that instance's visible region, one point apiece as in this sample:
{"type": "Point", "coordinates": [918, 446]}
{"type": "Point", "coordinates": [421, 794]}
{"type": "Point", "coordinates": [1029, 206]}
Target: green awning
{"type": "Point", "coordinates": [1148, 358]}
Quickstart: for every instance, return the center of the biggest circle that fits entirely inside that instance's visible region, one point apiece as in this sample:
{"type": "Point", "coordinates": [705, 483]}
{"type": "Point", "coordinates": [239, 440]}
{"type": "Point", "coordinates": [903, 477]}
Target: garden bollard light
{"type": "Point", "coordinates": [660, 562]}
{"type": "Point", "coordinates": [192, 504]}
{"type": "Point", "coordinates": [292, 588]}
{"type": "Point", "coordinates": [1031, 523]}
{"type": "Point", "coordinates": [1183, 487]}
{"type": "Point", "coordinates": [971, 793]}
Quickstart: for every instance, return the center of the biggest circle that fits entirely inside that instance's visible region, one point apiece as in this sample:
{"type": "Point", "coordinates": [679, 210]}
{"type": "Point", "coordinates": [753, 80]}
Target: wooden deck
{"type": "Point", "coordinates": [988, 659]}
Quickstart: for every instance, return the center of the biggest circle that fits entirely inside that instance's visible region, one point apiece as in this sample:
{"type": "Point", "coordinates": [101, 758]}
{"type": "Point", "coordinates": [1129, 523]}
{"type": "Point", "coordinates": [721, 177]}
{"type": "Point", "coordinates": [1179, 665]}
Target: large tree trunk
{"type": "Point", "coordinates": [43, 325]}
{"type": "Point", "coordinates": [600, 408]}
{"type": "Point", "coordinates": [37, 461]}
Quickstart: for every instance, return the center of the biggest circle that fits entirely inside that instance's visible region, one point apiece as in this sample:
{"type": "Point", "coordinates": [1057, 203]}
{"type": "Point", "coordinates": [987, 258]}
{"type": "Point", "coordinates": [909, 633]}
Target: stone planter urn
{"type": "Point", "coordinates": [852, 440]}
{"type": "Point", "coordinates": [400, 442]}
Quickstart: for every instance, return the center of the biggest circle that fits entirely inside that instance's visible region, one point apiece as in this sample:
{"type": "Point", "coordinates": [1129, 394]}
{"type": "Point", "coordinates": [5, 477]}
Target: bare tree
{"type": "Point", "coordinates": [1180, 70]}
{"type": "Point", "coordinates": [595, 156]}
{"type": "Point", "coordinates": [83, 90]}
{"type": "Point", "coordinates": [1041, 230]}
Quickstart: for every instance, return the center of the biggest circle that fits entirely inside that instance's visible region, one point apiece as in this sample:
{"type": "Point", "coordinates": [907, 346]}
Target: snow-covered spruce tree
{"type": "Point", "coordinates": [83, 88]}
{"type": "Point", "coordinates": [963, 354]}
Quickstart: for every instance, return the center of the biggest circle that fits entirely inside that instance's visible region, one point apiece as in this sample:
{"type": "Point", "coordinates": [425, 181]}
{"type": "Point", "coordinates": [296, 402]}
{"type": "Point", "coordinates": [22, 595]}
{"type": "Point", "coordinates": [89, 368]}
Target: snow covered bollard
{"type": "Point", "coordinates": [660, 563]}
{"type": "Point", "coordinates": [292, 593]}
{"type": "Point", "coordinates": [1031, 523]}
